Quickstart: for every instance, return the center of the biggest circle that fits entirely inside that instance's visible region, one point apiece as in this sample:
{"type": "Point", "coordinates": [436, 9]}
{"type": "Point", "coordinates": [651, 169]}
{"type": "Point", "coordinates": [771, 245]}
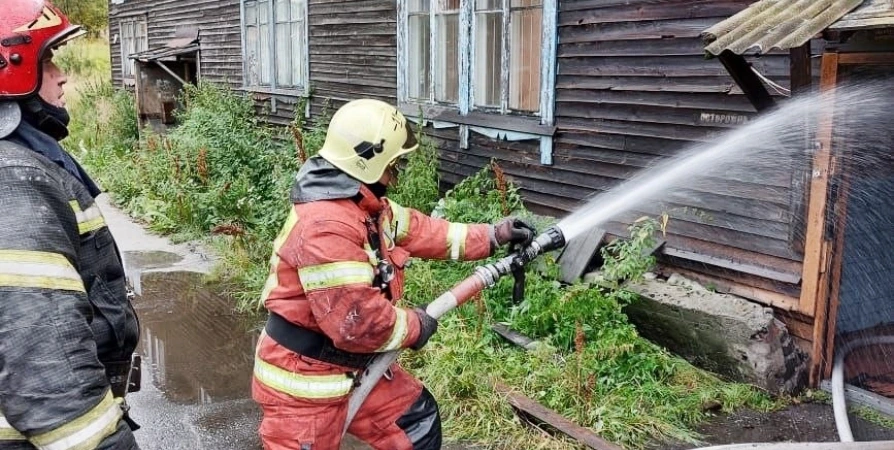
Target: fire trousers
{"type": "Point", "coordinates": [399, 414]}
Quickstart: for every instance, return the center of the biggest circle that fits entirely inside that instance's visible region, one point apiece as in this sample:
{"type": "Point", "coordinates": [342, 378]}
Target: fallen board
{"type": "Point", "coordinates": [578, 253]}
{"type": "Point", "coordinates": [553, 419]}
{"type": "Point", "coordinates": [515, 337]}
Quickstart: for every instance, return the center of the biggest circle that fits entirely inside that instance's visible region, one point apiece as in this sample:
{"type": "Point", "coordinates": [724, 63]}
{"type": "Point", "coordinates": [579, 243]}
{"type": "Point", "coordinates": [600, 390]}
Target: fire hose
{"type": "Point", "coordinates": [485, 276]}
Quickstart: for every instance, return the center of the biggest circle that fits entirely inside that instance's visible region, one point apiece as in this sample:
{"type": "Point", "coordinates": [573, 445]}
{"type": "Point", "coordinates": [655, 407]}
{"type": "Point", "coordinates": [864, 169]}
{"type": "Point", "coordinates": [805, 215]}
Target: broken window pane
{"type": "Point", "coordinates": [488, 5]}
{"type": "Point", "coordinates": [525, 58]}
{"type": "Point", "coordinates": [526, 3]}
{"type": "Point", "coordinates": [447, 6]}
{"type": "Point", "coordinates": [418, 58]}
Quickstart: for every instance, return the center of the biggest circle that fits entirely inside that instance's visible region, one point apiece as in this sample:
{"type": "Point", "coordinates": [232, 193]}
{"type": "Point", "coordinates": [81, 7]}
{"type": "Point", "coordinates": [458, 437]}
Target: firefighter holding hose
{"type": "Point", "coordinates": [336, 272]}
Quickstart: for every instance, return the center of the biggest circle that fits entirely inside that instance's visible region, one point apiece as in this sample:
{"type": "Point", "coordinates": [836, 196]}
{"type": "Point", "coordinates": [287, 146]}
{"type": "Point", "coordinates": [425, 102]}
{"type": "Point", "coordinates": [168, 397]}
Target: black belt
{"type": "Point", "coordinates": [312, 344]}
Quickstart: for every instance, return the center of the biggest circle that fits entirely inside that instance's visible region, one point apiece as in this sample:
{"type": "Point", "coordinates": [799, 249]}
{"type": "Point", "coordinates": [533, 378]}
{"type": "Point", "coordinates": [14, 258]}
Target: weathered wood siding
{"type": "Point", "coordinates": [353, 51]}
{"type": "Point", "coordinates": [633, 89]}
{"type": "Point", "coordinates": [218, 22]}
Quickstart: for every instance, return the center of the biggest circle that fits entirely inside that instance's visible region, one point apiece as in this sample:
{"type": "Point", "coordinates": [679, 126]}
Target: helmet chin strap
{"type": "Point", "coordinates": [45, 117]}
{"type": "Point", "coordinates": [10, 117]}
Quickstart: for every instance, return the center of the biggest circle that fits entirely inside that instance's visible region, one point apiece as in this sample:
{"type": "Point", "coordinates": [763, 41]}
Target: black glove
{"type": "Point", "coordinates": [427, 327]}
{"type": "Point", "coordinates": [512, 230]}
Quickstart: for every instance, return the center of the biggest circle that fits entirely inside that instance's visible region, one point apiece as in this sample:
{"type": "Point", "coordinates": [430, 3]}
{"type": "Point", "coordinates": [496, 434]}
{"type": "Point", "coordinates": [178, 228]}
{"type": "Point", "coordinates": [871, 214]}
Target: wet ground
{"type": "Point", "coordinates": [197, 363]}
{"type": "Point", "coordinates": [809, 422]}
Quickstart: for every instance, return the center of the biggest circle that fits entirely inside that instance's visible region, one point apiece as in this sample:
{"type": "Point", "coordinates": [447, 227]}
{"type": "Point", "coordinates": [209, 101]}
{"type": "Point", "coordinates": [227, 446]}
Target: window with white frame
{"type": "Point", "coordinates": [486, 55]}
{"type": "Point", "coordinates": [133, 39]}
{"type": "Point", "coordinates": [274, 37]}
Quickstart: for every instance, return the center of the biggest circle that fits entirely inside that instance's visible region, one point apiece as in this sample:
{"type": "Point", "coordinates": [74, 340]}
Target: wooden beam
{"type": "Point", "coordinates": [531, 408]}
{"type": "Point", "coordinates": [801, 83]}
{"type": "Point", "coordinates": [799, 64]}
{"type": "Point", "coordinates": [875, 58]}
{"type": "Point", "coordinates": [842, 194]}
{"type": "Point", "coordinates": [751, 85]}
{"type": "Point", "coordinates": [814, 298]}
{"type": "Point", "coordinates": [764, 297]}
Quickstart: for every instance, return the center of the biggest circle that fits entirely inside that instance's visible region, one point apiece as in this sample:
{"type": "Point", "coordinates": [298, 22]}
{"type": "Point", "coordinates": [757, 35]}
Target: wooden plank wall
{"type": "Point", "coordinates": [219, 32]}
{"type": "Point", "coordinates": [353, 52]}
{"type": "Point", "coordinates": [633, 89]}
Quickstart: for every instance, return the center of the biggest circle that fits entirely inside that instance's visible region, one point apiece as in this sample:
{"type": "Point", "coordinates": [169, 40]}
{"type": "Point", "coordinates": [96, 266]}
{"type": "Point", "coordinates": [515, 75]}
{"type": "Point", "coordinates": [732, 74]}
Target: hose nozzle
{"type": "Point", "coordinates": [549, 240]}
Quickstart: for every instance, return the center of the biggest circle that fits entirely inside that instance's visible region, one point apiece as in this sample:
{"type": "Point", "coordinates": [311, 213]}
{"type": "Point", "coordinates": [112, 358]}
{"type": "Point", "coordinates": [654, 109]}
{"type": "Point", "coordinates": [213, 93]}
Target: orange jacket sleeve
{"type": "Point", "coordinates": [427, 237]}
{"type": "Point", "coordinates": [336, 274]}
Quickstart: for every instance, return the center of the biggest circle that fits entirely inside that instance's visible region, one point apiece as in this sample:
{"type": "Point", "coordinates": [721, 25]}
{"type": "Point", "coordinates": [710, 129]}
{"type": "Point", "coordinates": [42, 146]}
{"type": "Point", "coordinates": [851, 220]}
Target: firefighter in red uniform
{"type": "Point", "coordinates": [336, 272]}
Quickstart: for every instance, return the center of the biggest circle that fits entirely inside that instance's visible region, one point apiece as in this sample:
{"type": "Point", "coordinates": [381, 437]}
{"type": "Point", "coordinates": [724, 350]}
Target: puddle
{"type": "Point", "coordinates": [150, 260]}
{"type": "Point", "coordinates": [197, 364]}
{"type": "Point", "coordinates": [199, 350]}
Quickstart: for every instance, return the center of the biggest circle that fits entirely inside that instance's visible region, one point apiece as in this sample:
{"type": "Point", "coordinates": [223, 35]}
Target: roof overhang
{"type": "Point", "coordinates": [775, 24]}
{"type": "Point", "coordinates": [185, 41]}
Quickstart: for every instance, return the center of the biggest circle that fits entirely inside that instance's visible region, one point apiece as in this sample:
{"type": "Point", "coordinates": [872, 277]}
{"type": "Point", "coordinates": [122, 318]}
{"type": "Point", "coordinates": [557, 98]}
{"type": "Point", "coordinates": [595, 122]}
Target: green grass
{"type": "Point", "coordinates": [224, 177]}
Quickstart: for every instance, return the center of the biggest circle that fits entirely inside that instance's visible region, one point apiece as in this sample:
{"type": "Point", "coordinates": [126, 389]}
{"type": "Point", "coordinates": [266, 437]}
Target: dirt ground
{"type": "Point", "coordinates": [809, 422]}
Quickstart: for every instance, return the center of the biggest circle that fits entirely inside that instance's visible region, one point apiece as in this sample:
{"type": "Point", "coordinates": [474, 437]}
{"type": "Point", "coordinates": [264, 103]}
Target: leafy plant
{"type": "Point", "coordinates": [92, 14]}
{"type": "Point", "coordinates": [629, 259]}
{"type": "Point", "coordinates": [418, 182]}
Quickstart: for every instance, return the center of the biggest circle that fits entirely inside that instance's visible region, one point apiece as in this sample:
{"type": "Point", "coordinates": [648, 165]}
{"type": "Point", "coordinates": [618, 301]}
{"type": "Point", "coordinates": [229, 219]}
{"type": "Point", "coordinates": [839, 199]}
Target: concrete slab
{"type": "Point", "coordinates": [725, 334]}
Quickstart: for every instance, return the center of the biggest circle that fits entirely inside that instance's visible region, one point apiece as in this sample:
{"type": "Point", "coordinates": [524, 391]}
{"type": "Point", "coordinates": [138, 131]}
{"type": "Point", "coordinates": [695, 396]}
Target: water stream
{"type": "Point", "coordinates": [773, 141]}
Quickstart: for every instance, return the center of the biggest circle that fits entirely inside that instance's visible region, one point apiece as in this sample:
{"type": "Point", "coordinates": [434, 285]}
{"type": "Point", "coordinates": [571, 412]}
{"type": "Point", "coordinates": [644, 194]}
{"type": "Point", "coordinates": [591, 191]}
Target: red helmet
{"type": "Point", "coordinates": [28, 28]}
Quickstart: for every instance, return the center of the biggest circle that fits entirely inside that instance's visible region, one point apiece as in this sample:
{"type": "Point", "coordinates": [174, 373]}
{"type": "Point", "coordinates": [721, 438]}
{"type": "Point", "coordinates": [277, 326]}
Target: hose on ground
{"type": "Point", "coordinates": [839, 405]}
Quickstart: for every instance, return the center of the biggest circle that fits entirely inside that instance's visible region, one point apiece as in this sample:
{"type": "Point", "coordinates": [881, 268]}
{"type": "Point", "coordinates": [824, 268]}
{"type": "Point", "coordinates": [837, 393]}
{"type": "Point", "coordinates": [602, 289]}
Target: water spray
{"type": "Point", "coordinates": [485, 276]}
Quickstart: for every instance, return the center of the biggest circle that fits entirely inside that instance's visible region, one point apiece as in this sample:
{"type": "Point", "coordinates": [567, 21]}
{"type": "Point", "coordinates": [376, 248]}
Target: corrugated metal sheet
{"type": "Point", "coordinates": [871, 14]}
{"type": "Point", "coordinates": [772, 24]}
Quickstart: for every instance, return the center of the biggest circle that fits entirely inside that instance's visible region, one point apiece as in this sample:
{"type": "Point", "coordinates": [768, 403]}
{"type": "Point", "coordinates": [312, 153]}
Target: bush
{"type": "Point", "coordinates": [84, 58]}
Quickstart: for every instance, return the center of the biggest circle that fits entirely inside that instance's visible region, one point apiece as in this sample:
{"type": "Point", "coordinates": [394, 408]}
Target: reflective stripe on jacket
{"type": "Point", "coordinates": [63, 311]}
{"type": "Point", "coordinates": [322, 278]}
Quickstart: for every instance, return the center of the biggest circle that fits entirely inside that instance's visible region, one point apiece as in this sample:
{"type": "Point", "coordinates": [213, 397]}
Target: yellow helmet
{"type": "Point", "coordinates": [365, 136]}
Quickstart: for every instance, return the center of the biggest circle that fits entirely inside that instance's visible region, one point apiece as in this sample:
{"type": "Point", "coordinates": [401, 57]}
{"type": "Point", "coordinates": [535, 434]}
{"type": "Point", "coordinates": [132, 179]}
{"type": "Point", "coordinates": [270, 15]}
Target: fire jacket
{"type": "Point", "coordinates": [66, 324]}
{"type": "Point", "coordinates": [323, 270]}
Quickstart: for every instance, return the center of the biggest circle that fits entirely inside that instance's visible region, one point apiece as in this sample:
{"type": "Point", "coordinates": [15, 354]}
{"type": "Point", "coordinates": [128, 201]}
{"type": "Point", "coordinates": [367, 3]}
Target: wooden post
{"type": "Point", "coordinates": [814, 291]}
{"type": "Point", "coordinates": [836, 266]}
{"type": "Point", "coordinates": [801, 71]}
